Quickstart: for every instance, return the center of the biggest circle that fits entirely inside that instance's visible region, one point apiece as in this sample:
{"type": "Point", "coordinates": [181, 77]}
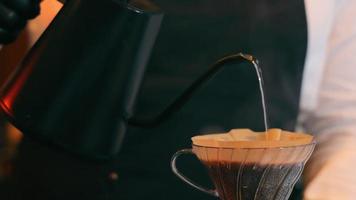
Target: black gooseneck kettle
{"type": "Point", "coordinates": [76, 88]}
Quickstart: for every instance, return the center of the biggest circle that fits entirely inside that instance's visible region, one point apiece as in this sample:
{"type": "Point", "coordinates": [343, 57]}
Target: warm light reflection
{"type": "Point", "coordinates": [35, 28]}
{"type": "Point", "coordinates": [16, 85]}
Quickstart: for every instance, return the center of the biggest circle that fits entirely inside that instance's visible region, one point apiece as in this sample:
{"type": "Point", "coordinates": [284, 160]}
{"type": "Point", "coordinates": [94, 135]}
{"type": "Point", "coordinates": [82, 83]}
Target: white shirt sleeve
{"type": "Point", "coordinates": [331, 172]}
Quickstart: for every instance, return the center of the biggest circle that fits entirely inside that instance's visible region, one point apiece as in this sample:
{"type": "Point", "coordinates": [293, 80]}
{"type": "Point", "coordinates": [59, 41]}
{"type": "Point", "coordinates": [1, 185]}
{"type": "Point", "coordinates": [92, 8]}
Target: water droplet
{"type": "Point", "coordinates": [113, 176]}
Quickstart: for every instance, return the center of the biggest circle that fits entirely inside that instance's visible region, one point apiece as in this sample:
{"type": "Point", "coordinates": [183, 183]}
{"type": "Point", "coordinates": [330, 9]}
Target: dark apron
{"type": "Point", "coordinates": [193, 35]}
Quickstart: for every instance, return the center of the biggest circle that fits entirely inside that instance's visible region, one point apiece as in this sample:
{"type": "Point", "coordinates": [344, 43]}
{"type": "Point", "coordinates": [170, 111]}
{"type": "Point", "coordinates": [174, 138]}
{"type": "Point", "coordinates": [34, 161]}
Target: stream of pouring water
{"type": "Point", "coordinates": [260, 81]}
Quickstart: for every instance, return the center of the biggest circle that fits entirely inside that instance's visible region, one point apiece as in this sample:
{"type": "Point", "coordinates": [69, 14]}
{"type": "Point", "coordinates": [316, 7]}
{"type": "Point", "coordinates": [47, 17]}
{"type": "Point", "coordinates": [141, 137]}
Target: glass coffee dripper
{"type": "Point", "coordinates": [255, 166]}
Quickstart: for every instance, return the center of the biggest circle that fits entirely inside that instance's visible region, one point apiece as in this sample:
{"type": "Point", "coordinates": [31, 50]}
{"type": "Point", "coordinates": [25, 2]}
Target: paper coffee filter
{"type": "Point", "coordinates": [245, 146]}
{"type": "Point", "coordinates": [246, 138]}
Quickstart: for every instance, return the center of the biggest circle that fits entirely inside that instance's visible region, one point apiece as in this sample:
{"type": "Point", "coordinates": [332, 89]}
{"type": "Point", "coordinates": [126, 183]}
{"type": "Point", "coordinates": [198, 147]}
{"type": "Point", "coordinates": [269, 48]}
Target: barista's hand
{"type": "Point", "coordinates": [14, 15]}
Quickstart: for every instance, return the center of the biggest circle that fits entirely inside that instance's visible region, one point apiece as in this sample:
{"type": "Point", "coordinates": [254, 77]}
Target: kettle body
{"type": "Point", "coordinates": [78, 84]}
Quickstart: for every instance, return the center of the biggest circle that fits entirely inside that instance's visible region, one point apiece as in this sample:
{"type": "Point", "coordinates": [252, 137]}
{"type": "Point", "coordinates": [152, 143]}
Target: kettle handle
{"type": "Point", "coordinates": [183, 98]}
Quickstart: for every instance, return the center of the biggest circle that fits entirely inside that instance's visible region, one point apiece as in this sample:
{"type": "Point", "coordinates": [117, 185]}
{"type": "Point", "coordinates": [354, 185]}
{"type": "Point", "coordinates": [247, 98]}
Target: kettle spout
{"type": "Point", "coordinates": [188, 93]}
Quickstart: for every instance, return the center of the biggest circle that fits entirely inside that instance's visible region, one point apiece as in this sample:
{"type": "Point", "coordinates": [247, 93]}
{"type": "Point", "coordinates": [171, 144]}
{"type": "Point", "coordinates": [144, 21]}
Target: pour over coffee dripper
{"type": "Point", "coordinates": [245, 165]}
